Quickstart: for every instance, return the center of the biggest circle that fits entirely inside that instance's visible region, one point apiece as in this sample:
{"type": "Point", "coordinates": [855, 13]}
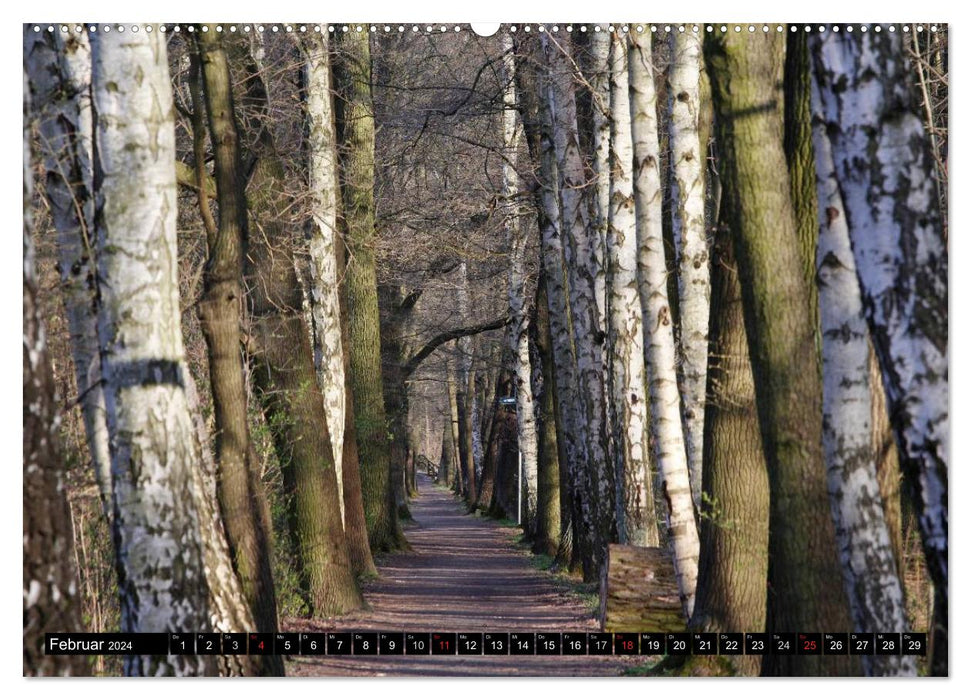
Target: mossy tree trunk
{"type": "Point", "coordinates": [286, 379]}
{"type": "Point", "coordinates": [355, 524]}
{"type": "Point", "coordinates": [803, 565]}
{"type": "Point", "coordinates": [735, 512]}
{"type": "Point", "coordinates": [355, 151]}
{"type": "Point", "coordinates": [242, 501]}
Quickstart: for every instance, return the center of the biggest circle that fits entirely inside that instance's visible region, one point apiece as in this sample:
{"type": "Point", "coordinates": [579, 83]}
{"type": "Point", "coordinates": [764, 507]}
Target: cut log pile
{"type": "Point", "coordinates": [639, 592]}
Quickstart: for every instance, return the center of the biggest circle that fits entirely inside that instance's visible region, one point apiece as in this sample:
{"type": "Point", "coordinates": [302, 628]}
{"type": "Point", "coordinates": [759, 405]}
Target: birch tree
{"type": "Point", "coordinates": [636, 521]}
{"type": "Point", "coordinates": [59, 68]}
{"type": "Point", "coordinates": [535, 93]}
{"type": "Point", "coordinates": [324, 189]}
{"type": "Point", "coordinates": [516, 239]}
{"type": "Point", "coordinates": [687, 183]}
{"type": "Point", "coordinates": [869, 570]}
{"type": "Point", "coordinates": [884, 169]}
{"type": "Point", "coordinates": [658, 330]}
{"type": "Point", "coordinates": [155, 457]}
{"type": "Point", "coordinates": [596, 477]}
{"type": "Point", "coordinates": [50, 589]}
{"type": "Point", "coordinates": [745, 73]}
{"type": "Point", "coordinates": [597, 71]}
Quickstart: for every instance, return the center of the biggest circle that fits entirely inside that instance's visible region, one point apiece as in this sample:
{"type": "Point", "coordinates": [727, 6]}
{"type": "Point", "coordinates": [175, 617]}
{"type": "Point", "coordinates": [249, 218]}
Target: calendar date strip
{"type": "Point", "coordinates": [489, 643]}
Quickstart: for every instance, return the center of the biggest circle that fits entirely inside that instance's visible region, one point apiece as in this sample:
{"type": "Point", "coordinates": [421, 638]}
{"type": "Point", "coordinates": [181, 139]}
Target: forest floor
{"type": "Point", "coordinates": [464, 574]}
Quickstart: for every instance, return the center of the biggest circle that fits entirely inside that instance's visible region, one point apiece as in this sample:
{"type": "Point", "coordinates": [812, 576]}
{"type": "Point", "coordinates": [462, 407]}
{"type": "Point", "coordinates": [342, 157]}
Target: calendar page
{"type": "Point", "coordinates": [526, 349]}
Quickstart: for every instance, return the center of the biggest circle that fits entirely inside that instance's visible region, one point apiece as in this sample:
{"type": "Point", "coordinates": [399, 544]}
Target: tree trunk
{"type": "Point", "coordinates": [324, 187]}
{"type": "Point", "coordinates": [464, 397]}
{"type": "Point", "coordinates": [735, 513]}
{"type": "Point", "coordinates": [518, 308]}
{"type": "Point", "coordinates": [536, 100]}
{"type": "Point", "coordinates": [445, 466]}
{"type": "Point", "coordinates": [286, 379]}
{"type": "Point", "coordinates": [636, 520]}
{"type": "Point", "coordinates": [490, 463]}
{"type": "Point", "coordinates": [658, 329]}
{"type": "Point", "coordinates": [597, 71]}
{"type": "Point", "coordinates": [453, 406]}
{"type": "Point", "coordinates": [869, 570]}
{"type": "Point", "coordinates": [798, 144]}
{"type": "Point", "coordinates": [355, 525]}
{"type": "Point", "coordinates": [595, 482]}
{"type": "Point", "coordinates": [802, 553]}
{"type": "Point", "coordinates": [50, 593]}
{"type": "Point", "coordinates": [239, 486]}
{"type": "Point", "coordinates": [885, 174]}
{"type": "Point", "coordinates": [888, 464]}
{"type": "Point", "coordinates": [355, 132]}
{"type": "Point", "coordinates": [59, 68]}
{"type": "Point", "coordinates": [547, 536]}
{"type": "Point", "coordinates": [161, 555]}
{"type": "Point", "coordinates": [691, 242]}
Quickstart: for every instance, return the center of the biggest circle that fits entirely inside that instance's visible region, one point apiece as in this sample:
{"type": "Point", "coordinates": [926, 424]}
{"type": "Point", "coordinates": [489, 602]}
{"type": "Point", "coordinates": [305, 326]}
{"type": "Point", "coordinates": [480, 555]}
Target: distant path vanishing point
{"type": "Point", "coordinates": [464, 574]}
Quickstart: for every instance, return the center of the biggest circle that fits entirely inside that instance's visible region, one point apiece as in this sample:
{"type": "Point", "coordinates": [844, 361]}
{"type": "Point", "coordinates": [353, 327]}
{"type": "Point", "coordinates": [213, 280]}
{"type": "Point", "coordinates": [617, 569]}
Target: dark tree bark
{"type": "Point", "coordinates": [355, 137]}
{"type": "Point", "coordinates": [445, 461]}
{"type": "Point", "coordinates": [242, 500]}
{"type": "Point", "coordinates": [487, 481]}
{"type": "Point", "coordinates": [803, 566]}
{"type": "Point", "coordinates": [355, 525]}
{"type": "Point", "coordinates": [798, 144]}
{"type": "Point", "coordinates": [735, 511]}
{"type": "Point", "coordinates": [547, 537]}
{"type": "Point", "coordinates": [394, 328]}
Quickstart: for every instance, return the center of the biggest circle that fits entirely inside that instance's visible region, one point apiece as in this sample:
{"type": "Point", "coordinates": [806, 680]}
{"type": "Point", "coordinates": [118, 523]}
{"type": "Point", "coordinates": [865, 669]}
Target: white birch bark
{"type": "Point", "coordinates": [658, 330]}
{"type": "Point", "coordinates": [564, 357]}
{"type": "Point", "coordinates": [324, 301]}
{"type": "Point", "coordinates": [59, 68]}
{"type": "Point", "coordinates": [581, 270]}
{"type": "Point", "coordinates": [155, 457]}
{"type": "Point", "coordinates": [519, 330]}
{"type": "Point", "coordinates": [636, 523]}
{"type": "Point", "coordinates": [691, 242]}
{"type": "Point", "coordinates": [478, 449]}
{"type": "Point", "coordinates": [869, 570]}
{"type": "Point", "coordinates": [885, 174]}
{"type": "Point", "coordinates": [464, 346]}
{"type": "Point", "coordinates": [598, 77]}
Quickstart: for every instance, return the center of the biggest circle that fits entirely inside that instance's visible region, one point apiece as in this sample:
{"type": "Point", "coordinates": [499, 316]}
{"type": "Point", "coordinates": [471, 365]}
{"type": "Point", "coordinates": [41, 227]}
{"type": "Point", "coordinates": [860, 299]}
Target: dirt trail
{"type": "Point", "coordinates": [463, 575]}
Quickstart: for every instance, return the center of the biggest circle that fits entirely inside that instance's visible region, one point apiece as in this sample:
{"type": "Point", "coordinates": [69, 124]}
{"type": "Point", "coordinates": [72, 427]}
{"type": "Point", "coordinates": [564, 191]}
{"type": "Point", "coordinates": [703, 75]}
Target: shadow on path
{"type": "Point", "coordinates": [463, 575]}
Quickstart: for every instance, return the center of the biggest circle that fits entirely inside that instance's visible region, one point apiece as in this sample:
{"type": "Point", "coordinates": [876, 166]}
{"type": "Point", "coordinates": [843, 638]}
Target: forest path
{"type": "Point", "coordinates": [464, 574]}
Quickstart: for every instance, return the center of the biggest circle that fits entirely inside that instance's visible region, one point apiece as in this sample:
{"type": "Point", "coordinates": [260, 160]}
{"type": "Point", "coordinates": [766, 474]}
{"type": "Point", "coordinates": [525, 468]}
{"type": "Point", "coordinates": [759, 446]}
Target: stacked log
{"type": "Point", "coordinates": [639, 591]}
